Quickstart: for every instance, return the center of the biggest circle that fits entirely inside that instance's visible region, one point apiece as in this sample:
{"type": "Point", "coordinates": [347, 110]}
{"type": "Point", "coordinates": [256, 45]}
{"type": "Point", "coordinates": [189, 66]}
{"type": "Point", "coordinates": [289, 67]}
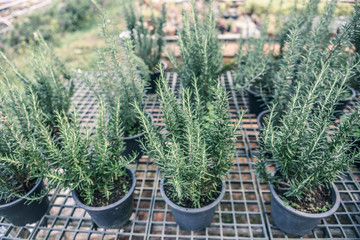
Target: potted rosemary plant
{"type": "Point", "coordinates": [50, 81]}
{"type": "Point", "coordinates": [311, 58]}
{"type": "Point", "coordinates": [23, 197]}
{"type": "Point", "coordinates": [255, 70]}
{"type": "Point", "coordinates": [309, 155]}
{"type": "Point", "coordinates": [194, 154]}
{"type": "Point", "coordinates": [118, 77]}
{"type": "Point", "coordinates": [148, 39]}
{"type": "Point", "coordinates": [200, 52]}
{"type": "Point", "coordinates": [92, 165]}
{"type": "Point", "coordinates": [304, 47]}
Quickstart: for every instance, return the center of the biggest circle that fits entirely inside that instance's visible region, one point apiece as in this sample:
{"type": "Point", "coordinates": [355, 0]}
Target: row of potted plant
{"type": "Point", "coordinates": [195, 153]}
{"type": "Point", "coordinates": [148, 39]}
{"type": "Point", "coordinates": [196, 148]}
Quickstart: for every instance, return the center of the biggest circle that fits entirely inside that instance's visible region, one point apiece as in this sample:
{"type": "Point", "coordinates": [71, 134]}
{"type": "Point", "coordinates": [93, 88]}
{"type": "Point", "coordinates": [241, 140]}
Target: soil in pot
{"type": "Point", "coordinates": [20, 212]}
{"type": "Point", "coordinates": [121, 188]}
{"type": "Point", "coordinates": [189, 218]}
{"type": "Point", "coordinates": [117, 211]}
{"type": "Point", "coordinates": [318, 202]}
{"type": "Point", "coordinates": [23, 189]}
{"type": "Point", "coordinates": [188, 203]}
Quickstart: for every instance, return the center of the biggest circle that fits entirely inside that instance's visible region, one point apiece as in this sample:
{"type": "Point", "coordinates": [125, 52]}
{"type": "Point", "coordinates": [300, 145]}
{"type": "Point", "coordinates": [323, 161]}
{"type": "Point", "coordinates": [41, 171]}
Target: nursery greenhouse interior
{"type": "Point", "coordinates": [179, 119]}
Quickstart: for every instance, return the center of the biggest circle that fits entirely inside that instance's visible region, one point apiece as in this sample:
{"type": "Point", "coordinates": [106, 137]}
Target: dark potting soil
{"type": "Point", "coordinates": [121, 188]}
{"type": "Point", "coordinates": [21, 189]}
{"type": "Point", "coordinates": [318, 202]}
{"type": "Point", "coordinates": [188, 203]}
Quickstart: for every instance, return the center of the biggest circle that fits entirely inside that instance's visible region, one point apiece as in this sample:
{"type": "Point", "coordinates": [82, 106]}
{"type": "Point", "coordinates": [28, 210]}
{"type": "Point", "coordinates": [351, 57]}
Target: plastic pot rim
{"type": "Point", "coordinates": [252, 92]}
{"type": "Point", "coordinates": [192, 210]}
{"type": "Point", "coordinates": [112, 205]}
{"type": "Point", "coordinates": [164, 66]}
{"type": "Point", "coordinates": [259, 117]}
{"type": "Point", "coordinates": [10, 204]}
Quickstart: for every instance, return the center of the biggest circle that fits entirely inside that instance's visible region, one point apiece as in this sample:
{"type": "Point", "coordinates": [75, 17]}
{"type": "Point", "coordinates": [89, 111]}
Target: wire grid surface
{"type": "Point", "coordinates": [244, 213]}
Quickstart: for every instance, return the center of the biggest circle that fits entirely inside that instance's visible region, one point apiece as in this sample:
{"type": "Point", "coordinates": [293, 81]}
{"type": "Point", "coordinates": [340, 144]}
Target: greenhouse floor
{"type": "Point", "coordinates": [244, 213]}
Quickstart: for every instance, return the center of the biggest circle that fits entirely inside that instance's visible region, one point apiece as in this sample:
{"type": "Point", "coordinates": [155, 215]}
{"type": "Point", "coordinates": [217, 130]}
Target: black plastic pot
{"type": "Point", "coordinates": [20, 212]}
{"type": "Point", "coordinates": [133, 144]}
{"type": "Point", "coordinates": [114, 215]}
{"type": "Point", "coordinates": [341, 105]}
{"type": "Point", "coordinates": [153, 77]}
{"type": "Point", "coordinates": [261, 117]}
{"type": "Point", "coordinates": [255, 102]}
{"type": "Point", "coordinates": [192, 219]}
{"type": "Point", "coordinates": [296, 222]}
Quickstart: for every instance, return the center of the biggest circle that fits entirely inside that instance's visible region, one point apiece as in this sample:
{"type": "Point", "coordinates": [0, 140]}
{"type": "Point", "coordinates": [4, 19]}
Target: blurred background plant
{"type": "Point", "coordinates": [146, 34]}
{"type": "Point", "coordinates": [200, 51]}
{"type": "Point", "coordinates": [62, 16]}
{"type": "Point", "coordinates": [304, 46]}
{"type": "Point", "coordinates": [74, 44]}
{"type": "Point", "coordinates": [118, 76]}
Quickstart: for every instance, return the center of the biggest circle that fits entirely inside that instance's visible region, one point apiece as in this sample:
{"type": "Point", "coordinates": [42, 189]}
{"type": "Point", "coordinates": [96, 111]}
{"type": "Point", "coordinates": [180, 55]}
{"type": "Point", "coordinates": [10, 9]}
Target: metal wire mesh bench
{"type": "Point", "coordinates": [244, 213]}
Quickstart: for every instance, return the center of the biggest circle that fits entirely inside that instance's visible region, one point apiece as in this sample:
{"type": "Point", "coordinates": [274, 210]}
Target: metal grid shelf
{"type": "Point", "coordinates": [244, 213]}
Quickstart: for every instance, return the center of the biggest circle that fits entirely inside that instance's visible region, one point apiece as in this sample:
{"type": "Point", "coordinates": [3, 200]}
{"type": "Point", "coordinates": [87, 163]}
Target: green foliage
{"type": "Point", "coordinates": [255, 67]}
{"type": "Point", "coordinates": [264, 73]}
{"type": "Point", "coordinates": [285, 8]}
{"type": "Point", "coordinates": [118, 77]}
{"type": "Point", "coordinates": [148, 38]}
{"type": "Point", "coordinates": [305, 54]}
{"type": "Point", "coordinates": [23, 31]}
{"type": "Point", "coordinates": [72, 15]}
{"type": "Point", "coordinates": [62, 16]}
{"type": "Point", "coordinates": [304, 49]}
{"type": "Point", "coordinates": [21, 156]}
{"type": "Point", "coordinates": [306, 150]}
{"type": "Point", "coordinates": [198, 146]}
{"type": "Point", "coordinates": [87, 162]}
{"type": "Point", "coordinates": [50, 81]}
{"type": "Point", "coordinates": [200, 52]}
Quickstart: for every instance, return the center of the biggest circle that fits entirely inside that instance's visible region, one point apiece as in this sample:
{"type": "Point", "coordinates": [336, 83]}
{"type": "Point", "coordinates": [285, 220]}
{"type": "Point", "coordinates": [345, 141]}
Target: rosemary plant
{"type": "Point", "coordinates": [148, 38]}
{"type": "Point", "coordinates": [90, 163]}
{"type": "Point", "coordinates": [306, 47]}
{"type": "Point", "coordinates": [197, 148]}
{"type": "Point", "coordinates": [255, 67]}
{"type": "Point", "coordinates": [22, 162]}
{"type": "Point", "coordinates": [118, 77]}
{"type": "Point", "coordinates": [50, 81]}
{"type": "Point", "coordinates": [309, 154]}
{"type": "Point", "coordinates": [200, 52]}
